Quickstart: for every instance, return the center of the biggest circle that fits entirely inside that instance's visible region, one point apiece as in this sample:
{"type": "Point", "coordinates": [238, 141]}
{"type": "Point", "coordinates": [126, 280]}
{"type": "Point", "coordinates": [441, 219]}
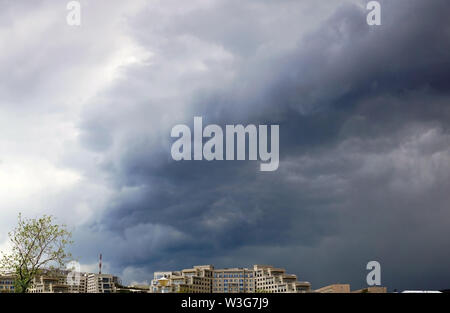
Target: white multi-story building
{"type": "Point", "coordinates": [233, 280]}
{"type": "Point", "coordinates": [206, 279]}
{"type": "Point", "coordinates": [58, 282]}
{"type": "Point", "coordinates": [64, 281]}
{"type": "Point", "coordinates": [101, 283]}
{"type": "Point", "coordinates": [7, 283]}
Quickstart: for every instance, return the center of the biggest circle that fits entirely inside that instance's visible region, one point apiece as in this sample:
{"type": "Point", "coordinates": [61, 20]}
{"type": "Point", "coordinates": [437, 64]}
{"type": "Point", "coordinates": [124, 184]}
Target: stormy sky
{"type": "Point", "coordinates": [364, 115]}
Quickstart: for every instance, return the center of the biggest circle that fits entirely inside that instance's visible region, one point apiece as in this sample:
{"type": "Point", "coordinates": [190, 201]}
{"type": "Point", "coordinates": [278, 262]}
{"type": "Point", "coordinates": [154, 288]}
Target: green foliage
{"type": "Point", "coordinates": [37, 244]}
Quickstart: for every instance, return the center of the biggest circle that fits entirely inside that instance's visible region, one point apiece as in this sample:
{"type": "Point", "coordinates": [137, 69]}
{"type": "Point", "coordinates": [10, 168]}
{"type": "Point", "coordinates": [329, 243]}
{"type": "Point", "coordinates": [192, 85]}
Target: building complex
{"type": "Point", "coordinates": [59, 282]}
{"type": "Point", "coordinates": [207, 279]}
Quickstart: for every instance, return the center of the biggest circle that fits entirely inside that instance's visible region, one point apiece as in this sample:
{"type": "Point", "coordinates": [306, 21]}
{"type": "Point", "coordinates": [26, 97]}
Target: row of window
{"type": "Point", "coordinates": [232, 275]}
{"type": "Point", "coordinates": [241, 289]}
{"type": "Point", "coordinates": [226, 284]}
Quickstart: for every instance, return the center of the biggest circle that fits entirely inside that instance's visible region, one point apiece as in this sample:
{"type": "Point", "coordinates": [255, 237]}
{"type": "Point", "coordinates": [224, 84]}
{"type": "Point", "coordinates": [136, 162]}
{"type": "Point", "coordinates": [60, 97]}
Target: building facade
{"type": "Point", "coordinates": [49, 284]}
{"type": "Point", "coordinates": [207, 279]}
{"type": "Point", "coordinates": [7, 283]}
{"type": "Point", "coordinates": [101, 283]}
{"type": "Point", "coordinates": [57, 282]}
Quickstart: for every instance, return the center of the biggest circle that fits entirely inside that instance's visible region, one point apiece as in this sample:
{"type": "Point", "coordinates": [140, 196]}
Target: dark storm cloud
{"type": "Point", "coordinates": [364, 147]}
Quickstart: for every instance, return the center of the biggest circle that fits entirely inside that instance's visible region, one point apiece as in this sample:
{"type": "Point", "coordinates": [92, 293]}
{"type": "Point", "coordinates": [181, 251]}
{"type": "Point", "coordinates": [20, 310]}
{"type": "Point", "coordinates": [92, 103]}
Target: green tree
{"type": "Point", "coordinates": [37, 244]}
